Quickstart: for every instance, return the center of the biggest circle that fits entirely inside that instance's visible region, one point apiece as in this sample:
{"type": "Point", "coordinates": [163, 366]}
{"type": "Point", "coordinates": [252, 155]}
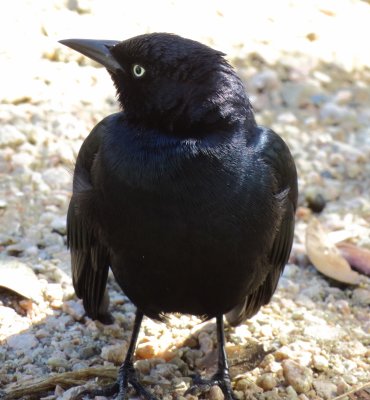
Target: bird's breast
{"type": "Point", "coordinates": [180, 220]}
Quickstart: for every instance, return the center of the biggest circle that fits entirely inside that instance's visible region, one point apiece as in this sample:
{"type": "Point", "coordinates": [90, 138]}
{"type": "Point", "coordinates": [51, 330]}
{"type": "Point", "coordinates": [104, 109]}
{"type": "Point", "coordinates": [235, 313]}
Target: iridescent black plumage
{"type": "Point", "coordinates": [181, 194]}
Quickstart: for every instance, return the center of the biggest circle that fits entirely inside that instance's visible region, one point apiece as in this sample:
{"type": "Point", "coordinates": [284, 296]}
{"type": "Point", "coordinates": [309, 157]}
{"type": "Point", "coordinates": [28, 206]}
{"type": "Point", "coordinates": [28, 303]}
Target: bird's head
{"type": "Point", "coordinates": [168, 82]}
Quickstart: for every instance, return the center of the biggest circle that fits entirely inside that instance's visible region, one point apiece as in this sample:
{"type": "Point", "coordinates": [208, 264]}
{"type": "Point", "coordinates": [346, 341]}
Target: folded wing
{"type": "Point", "coordinates": [89, 257]}
{"type": "Point", "coordinates": [275, 153]}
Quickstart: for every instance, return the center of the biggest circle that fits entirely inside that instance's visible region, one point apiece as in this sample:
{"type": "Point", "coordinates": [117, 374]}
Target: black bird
{"type": "Point", "coordinates": [186, 199]}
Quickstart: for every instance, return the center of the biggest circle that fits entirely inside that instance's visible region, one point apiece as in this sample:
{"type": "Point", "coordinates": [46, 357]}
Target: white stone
{"type": "Point", "coordinates": [22, 341]}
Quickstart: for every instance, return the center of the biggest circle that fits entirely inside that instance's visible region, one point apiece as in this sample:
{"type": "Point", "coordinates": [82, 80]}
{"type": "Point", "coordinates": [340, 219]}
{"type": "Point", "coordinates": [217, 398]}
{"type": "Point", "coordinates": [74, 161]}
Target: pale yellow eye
{"type": "Point", "coordinates": [138, 71]}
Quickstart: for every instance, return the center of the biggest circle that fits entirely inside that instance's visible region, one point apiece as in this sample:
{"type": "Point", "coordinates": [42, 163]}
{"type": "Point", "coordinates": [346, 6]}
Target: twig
{"type": "Point", "coordinates": [342, 396]}
{"type": "Point", "coordinates": [65, 380]}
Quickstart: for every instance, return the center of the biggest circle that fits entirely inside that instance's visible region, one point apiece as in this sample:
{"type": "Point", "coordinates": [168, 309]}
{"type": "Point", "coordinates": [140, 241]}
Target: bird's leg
{"type": "Point", "coordinates": [222, 376]}
{"type": "Point", "coordinates": [127, 372]}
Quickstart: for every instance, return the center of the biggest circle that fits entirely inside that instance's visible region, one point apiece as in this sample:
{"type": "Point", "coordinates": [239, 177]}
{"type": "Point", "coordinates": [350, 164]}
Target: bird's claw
{"type": "Point", "coordinates": [107, 391]}
{"type": "Point", "coordinates": [127, 374]}
{"type": "Point", "coordinates": [131, 378]}
{"type": "Point", "coordinates": [201, 385]}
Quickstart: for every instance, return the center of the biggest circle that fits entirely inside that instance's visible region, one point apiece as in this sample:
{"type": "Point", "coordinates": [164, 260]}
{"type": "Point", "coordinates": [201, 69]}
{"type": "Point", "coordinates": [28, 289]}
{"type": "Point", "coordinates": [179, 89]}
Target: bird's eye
{"type": "Point", "coordinates": [138, 71]}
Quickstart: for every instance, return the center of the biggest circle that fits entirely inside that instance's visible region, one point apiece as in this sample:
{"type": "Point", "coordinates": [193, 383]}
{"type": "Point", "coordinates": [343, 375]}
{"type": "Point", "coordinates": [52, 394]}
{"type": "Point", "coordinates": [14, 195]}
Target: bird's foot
{"type": "Point", "coordinates": [134, 381]}
{"type": "Point", "coordinates": [127, 374]}
{"type": "Point", "coordinates": [107, 391]}
{"type": "Point", "coordinates": [221, 379]}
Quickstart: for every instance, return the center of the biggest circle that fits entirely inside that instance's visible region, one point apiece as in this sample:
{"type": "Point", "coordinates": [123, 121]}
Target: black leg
{"type": "Point", "coordinates": [127, 373]}
{"type": "Point", "coordinates": [222, 376]}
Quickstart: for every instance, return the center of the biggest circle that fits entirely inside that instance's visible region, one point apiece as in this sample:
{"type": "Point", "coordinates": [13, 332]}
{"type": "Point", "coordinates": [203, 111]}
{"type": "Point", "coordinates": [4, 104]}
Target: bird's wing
{"type": "Point", "coordinates": [275, 153]}
{"type": "Point", "coordinates": [89, 257]}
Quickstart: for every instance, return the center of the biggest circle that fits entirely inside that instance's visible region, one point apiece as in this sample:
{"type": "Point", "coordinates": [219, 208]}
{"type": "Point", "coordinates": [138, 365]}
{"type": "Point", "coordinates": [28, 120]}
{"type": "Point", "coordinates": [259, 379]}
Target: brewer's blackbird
{"type": "Point", "coordinates": [186, 199]}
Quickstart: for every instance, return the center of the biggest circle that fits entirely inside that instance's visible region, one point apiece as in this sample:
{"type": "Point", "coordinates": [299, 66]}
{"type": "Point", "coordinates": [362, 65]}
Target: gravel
{"type": "Point", "coordinates": [311, 88]}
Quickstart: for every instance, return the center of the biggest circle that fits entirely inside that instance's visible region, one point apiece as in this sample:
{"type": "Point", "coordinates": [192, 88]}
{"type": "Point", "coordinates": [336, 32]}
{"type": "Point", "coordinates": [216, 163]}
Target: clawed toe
{"type": "Point", "coordinates": [140, 389]}
{"type": "Point", "coordinates": [127, 375]}
{"type": "Point", "coordinates": [109, 390]}
{"type": "Point", "coordinates": [201, 385]}
{"type": "Point", "coordinates": [222, 377]}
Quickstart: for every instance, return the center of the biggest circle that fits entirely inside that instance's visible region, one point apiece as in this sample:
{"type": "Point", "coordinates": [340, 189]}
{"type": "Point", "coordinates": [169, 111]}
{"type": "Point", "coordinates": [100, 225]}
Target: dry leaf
{"type": "Point", "coordinates": [20, 278]}
{"type": "Point", "coordinates": [358, 258]}
{"type": "Point", "coordinates": [325, 256]}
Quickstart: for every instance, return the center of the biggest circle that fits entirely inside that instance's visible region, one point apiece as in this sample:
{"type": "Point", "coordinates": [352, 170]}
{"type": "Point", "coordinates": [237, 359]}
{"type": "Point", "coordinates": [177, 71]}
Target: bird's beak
{"type": "Point", "coordinates": [97, 50]}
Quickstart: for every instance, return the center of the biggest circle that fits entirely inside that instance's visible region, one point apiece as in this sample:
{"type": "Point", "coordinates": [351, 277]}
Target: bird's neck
{"type": "Point", "coordinates": [217, 104]}
{"type": "Point", "coordinates": [220, 103]}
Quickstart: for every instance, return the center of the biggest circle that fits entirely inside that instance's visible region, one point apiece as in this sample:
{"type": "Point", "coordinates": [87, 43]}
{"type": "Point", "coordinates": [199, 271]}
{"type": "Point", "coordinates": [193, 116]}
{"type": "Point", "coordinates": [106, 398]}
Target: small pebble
{"type": "Point", "coordinates": [58, 391]}
{"type": "Point", "coordinates": [3, 204]}
{"type": "Point", "coordinates": [10, 136]}
{"type": "Point", "coordinates": [298, 94]}
{"type": "Point", "coordinates": [291, 393]}
{"type": "Point", "coordinates": [57, 362]}
{"type": "Point", "coordinates": [350, 379]}
{"type": "Point", "coordinates": [115, 353]}
{"type": "Point", "coordinates": [59, 225]}
{"type": "Point", "coordinates": [23, 341]}
{"type": "Point", "coordinates": [343, 307]}
{"type": "Point", "coordinates": [78, 366]}
{"type": "Point", "coordinates": [191, 397]}
{"type": "Point", "coordinates": [342, 386]}
{"type": "Point", "coordinates": [320, 362]}
{"type": "Point", "coordinates": [334, 114]}
{"type": "Point", "coordinates": [316, 202]}
{"type": "Point", "coordinates": [300, 378]}
{"type": "Point", "coordinates": [143, 366]}
{"type": "Point", "coordinates": [325, 389]}
{"type": "Point", "coordinates": [267, 381]}
{"type": "Point", "coordinates": [265, 80]}
{"type": "Point", "coordinates": [74, 308]}
{"type": "Point", "coordinates": [74, 392]}
{"type": "Point", "coordinates": [89, 351]}
{"type": "Point", "coordinates": [54, 291]}
{"type": "Point", "coordinates": [205, 342]}
{"type": "Point", "coordinates": [361, 296]}
{"type": "Point", "coordinates": [215, 393]}
{"type": "Point", "coordinates": [146, 350]}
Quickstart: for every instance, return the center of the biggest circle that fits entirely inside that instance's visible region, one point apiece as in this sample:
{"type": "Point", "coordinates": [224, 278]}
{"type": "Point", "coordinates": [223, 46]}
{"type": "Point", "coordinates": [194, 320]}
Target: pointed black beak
{"type": "Point", "coordinates": [97, 50]}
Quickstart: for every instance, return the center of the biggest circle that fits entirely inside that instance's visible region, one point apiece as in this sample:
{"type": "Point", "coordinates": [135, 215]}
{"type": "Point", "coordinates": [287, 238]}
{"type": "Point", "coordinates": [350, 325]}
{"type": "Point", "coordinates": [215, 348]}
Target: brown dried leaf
{"type": "Point", "coordinates": [325, 256]}
{"type": "Point", "coordinates": [358, 258]}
